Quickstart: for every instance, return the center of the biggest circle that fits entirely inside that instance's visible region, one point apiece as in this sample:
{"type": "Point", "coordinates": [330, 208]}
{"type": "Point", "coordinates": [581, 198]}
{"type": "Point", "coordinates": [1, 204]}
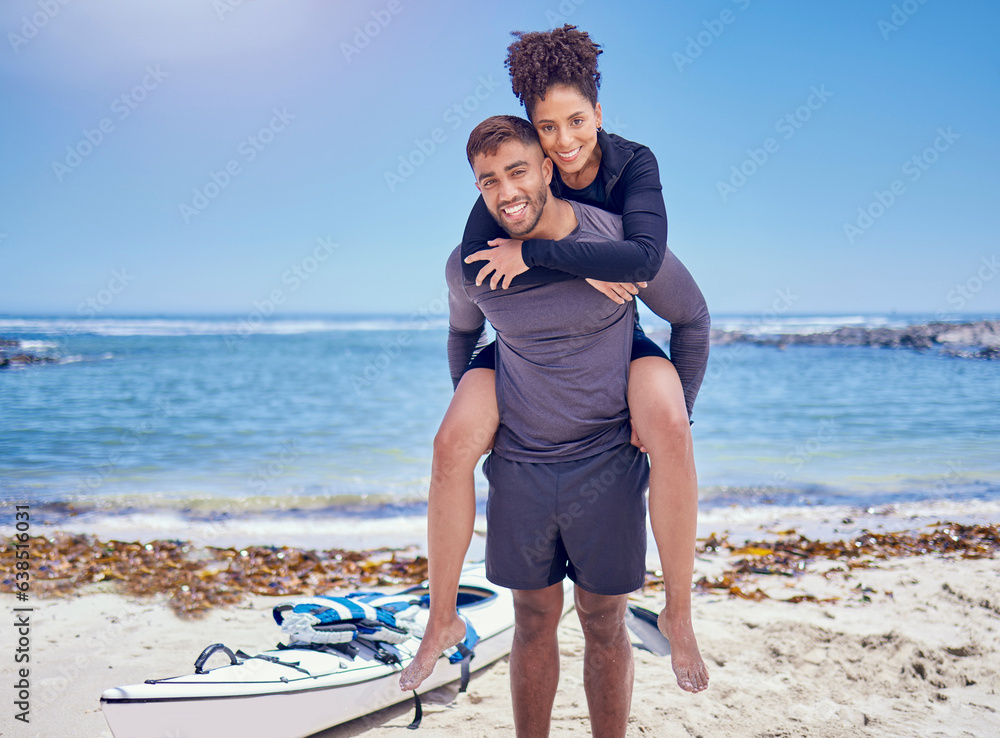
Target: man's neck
{"type": "Point", "coordinates": [557, 221]}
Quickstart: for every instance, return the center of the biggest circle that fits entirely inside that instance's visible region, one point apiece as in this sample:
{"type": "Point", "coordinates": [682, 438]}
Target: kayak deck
{"type": "Point", "coordinates": [293, 693]}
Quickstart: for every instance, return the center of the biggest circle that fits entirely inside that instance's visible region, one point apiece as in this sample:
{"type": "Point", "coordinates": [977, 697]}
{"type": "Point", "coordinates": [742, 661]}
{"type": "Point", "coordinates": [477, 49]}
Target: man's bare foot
{"type": "Point", "coordinates": [437, 638]}
{"type": "Point", "coordinates": [689, 668]}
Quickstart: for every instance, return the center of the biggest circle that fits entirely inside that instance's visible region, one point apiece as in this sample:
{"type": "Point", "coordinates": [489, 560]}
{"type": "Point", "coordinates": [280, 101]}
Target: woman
{"type": "Point", "coordinates": [555, 76]}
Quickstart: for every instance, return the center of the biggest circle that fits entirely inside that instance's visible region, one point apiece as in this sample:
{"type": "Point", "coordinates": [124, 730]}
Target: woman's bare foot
{"type": "Point", "coordinates": [436, 639]}
{"type": "Point", "coordinates": [689, 668]}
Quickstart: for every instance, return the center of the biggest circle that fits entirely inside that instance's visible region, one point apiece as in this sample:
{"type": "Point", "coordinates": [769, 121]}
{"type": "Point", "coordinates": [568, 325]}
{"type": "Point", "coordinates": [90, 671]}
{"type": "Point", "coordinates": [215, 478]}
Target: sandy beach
{"type": "Point", "coordinates": [903, 646]}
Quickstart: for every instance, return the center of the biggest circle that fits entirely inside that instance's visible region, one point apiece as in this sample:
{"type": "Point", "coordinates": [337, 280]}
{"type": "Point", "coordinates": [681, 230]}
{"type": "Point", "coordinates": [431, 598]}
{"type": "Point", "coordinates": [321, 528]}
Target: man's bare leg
{"type": "Point", "coordinates": [466, 433]}
{"type": "Point", "coordinates": [607, 662]}
{"type": "Point", "coordinates": [656, 403]}
{"type": "Point", "coordinates": [534, 659]}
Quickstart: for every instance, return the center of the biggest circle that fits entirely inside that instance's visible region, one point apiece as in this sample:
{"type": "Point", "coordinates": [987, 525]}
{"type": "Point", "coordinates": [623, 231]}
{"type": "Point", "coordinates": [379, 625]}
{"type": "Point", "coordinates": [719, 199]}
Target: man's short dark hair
{"type": "Point", "coordinates": [494, 132]}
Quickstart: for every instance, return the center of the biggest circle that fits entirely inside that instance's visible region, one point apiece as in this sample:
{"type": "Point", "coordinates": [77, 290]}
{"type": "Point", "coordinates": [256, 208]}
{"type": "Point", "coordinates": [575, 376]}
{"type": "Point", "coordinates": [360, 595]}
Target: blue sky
{"type": "Point", "coordinates": [194, 156]}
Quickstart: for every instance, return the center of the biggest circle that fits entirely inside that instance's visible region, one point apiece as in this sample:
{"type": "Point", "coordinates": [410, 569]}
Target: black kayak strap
{"type": "Point", "coordinates": [273, 660]}
{"type": "Point", "coordinates": [340, 649]}
{"type": "Point", "coordinates": [384, 655]}
{"type": "Point", "coordinates": [467, 656]}
{"type": "Point", "coordinates": [418, 712]}
{"type": "Point", "coordinates": [199, 664]}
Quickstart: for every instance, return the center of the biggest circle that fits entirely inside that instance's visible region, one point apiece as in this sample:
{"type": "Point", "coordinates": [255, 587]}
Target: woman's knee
{"type": "Point", "coordinates": [455, 439]}
{"type": "Point", "coordinates": [656, 400]}
{"type": "Point", "coordinates": [670, 423]}
{"type": "Point", "coordinates": [470, 424]}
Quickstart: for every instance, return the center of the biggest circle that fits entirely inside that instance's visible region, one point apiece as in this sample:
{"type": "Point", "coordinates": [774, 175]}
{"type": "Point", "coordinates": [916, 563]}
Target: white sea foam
{"type": "Point", "coordinates": [829, 522]}
{"type": "Point", "coordinates": [37, 345]}
{"type": "Point", "coordinates": [758, 326]}
{"type": "Point", "coordinates": [763, 324]}
{"type": "Point", "coordinates": [239, 326]}
{"type": "Point", "coordinates": [325, 530]}
{"type": "Point", "coordinates": [767, 324]}
{"type": "Point", "coordinates": [316, 531]}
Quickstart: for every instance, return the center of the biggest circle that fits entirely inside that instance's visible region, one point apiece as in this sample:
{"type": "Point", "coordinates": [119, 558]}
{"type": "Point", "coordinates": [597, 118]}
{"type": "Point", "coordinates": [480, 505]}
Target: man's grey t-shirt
{"type": "Point", "coordinates": [563, 351]}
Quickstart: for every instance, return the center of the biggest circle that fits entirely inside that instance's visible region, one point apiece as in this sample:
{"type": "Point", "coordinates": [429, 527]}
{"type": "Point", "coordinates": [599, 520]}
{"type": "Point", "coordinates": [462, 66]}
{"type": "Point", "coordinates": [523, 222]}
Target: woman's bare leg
{"type": "Point", "coordinates": [656, 404]}
{"type": "Point", "coordinates": [466, 433]}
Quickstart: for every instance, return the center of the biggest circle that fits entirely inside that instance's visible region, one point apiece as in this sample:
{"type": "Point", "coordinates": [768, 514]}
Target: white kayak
{"type": "Point", "coordinates": [293, 693]}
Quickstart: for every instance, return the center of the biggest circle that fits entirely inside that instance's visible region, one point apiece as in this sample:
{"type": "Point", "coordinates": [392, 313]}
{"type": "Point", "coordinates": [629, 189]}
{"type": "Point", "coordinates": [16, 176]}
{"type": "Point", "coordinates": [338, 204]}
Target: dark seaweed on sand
{"type": "Point", "coordinates": [790, 554]}
{"type": "Point", "coordinates": [195, 579]}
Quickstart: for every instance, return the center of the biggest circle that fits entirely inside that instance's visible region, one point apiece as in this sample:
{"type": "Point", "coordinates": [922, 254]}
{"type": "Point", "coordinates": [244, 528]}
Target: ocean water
{"type": "Point", "coordinates": [339, 413]}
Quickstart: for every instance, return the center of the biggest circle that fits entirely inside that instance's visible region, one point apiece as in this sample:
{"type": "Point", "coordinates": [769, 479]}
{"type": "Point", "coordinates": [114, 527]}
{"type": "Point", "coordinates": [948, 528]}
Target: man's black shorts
{"type": "Point", "coordinates": [584, 519]}
{"type": "Point", "coordinates": [642, 346]}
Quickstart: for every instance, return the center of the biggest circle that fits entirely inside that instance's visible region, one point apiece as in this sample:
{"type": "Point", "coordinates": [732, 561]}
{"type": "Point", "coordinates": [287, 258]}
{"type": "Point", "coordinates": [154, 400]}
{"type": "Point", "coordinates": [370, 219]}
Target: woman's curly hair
{"type": "Point", "coordinates": [541, 59]}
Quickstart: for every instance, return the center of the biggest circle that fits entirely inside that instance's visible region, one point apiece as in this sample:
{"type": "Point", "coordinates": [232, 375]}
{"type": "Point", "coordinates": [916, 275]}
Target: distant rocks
{"type": "Point", "coordinates": [12, 355]}
{"type": "Point", "coordinates": [979, 340]}
{"type": "Point", "coordinates": [990, 352]}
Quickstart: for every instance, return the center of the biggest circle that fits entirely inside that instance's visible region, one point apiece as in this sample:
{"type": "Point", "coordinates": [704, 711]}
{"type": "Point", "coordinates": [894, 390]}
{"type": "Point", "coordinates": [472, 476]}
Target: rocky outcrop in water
{"type": "Point", "coordinates": [979, 340]}
{"type": "Point", "coordinates": [990, 352]}
{"type": "Point", "coordinates": [12, 355]}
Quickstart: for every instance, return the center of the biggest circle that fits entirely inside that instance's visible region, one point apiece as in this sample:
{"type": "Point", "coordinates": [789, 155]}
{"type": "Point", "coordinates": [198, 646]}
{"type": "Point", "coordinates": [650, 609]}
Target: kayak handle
{"type": "Point", "coordinates": [207, 653]}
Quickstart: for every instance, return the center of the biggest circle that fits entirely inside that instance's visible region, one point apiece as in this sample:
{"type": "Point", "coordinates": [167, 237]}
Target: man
{"type": "Point", "coordinates": [566, 485]}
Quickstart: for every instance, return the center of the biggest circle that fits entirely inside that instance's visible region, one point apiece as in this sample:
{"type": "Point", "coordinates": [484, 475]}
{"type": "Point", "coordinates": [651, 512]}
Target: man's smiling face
{"type": "Point", "coordinates": [515, 185]}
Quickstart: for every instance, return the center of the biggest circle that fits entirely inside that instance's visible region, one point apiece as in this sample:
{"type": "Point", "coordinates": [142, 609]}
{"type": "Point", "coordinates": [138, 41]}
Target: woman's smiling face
{"type": "Point", "coordinates": [567, 124]}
